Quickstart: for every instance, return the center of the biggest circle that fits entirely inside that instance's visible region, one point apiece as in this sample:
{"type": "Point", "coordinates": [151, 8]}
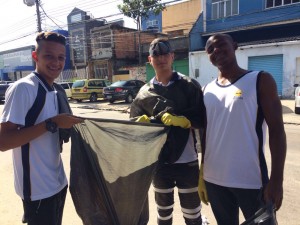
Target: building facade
{"type": "Point", "coordinates": [177, 29]}
{"type": "Point", "coordinates": [268, 34]}
{"type": "Point", "coordinates": [116, 48]}
{"type": "Point", "coordinates": [100, 49]}
{"type": "Point", "coordinates": [17, 63]}
{"type": "Point", "coordinates": [186, 13]}
{"type": "Point", "coordinates": [80, 23]}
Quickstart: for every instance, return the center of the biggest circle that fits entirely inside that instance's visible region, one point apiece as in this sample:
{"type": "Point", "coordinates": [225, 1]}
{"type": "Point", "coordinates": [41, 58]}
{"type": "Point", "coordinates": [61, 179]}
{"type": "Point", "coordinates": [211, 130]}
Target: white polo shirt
{"type": "Point", "coordinates": [46, 176]}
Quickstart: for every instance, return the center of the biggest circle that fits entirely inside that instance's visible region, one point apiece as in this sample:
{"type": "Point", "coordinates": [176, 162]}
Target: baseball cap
{"type": "Point", "coordinates": [160, 47]}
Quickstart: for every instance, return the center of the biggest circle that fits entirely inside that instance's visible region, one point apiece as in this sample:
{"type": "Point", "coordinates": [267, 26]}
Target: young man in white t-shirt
{"type": "Point", "coordinates": [239, 105]}
{"type": "Point", "coordinates": [30, 125]}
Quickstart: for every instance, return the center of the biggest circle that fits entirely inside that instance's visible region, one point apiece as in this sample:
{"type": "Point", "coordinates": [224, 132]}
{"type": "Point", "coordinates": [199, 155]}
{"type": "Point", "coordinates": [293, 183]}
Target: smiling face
{"type": "Point", "coordinates": [50, 57]}
{"type": "Point", "coordinates": [220, 49]}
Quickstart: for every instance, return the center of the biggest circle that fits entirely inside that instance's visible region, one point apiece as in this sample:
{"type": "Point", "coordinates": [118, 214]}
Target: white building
{"type": "Point", "coordinates": [281, 59]}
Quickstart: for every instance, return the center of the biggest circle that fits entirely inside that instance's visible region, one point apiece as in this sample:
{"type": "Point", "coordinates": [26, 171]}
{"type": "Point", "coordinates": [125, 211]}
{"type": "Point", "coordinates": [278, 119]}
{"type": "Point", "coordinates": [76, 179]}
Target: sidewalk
{"type": "Point", "coordinates": [288, 114]}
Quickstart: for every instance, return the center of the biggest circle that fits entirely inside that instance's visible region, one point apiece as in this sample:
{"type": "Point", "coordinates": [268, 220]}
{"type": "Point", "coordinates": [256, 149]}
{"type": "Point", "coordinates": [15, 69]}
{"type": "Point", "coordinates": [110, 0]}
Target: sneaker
{"type": "Point", "coordinates": [204, 220]}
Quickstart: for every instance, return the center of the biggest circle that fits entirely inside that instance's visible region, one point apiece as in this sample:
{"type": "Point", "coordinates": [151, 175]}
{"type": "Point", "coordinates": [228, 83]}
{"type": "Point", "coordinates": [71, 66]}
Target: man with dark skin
{"type": "Point", "coordinates": [239, 104]}
{"type": "Point", "coordinates": [31, 125]}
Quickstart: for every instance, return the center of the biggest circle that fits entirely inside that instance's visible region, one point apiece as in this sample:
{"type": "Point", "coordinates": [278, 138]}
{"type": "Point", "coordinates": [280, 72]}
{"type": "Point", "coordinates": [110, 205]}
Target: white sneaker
{"type": "Point", "coordinates": [204, 220]}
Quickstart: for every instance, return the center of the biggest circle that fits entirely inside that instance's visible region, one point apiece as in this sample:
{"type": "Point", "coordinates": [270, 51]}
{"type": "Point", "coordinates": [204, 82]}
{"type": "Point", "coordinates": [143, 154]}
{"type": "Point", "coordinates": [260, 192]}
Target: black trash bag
{"type": "Point", "coordinates": [112, 165]}
{"type": "Point", "coordinates": [264, 216]}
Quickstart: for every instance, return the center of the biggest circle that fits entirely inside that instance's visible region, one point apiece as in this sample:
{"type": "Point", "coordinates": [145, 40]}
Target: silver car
{"type": "Point", "coordinates": [297, 99]}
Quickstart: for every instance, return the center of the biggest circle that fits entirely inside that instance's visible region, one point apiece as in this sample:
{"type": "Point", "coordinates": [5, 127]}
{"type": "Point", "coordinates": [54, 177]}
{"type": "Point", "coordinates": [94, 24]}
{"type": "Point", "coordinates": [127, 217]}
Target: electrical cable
{"type": "Point", "coordinates": [116, 14]}
{"type": "Point", "coordinates": [49, 17]}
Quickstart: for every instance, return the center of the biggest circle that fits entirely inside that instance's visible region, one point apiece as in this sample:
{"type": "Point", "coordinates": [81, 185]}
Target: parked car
{"type": "Point", "coordinates": [3, 87]}
{"type": "Point", "coordinates": [6, 82]}
{"type": "Point", "coordinates": [297, 99]}
{"type": "Point", "coordinates": [68, 88]}
{"type": "Point", "coordinates": [91, 89]}
{"type": "Point", "coordinates": [123, 90]}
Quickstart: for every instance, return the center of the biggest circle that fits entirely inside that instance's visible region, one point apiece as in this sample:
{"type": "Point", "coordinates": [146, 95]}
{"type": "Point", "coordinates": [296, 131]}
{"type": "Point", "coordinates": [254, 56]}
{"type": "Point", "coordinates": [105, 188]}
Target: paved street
{"type": "Point", "coordinates": [11, 207]}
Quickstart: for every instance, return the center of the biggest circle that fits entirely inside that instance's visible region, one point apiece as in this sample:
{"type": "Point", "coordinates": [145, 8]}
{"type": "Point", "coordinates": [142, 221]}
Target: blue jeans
{"type": "Point", "coordinates": [48, 211]}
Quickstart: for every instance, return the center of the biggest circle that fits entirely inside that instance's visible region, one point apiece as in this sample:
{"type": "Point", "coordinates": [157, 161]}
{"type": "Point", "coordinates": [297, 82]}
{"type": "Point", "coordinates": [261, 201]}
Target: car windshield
{"type": "Point", "coordinates": [64, 85]}
{"type": "Point", "coordinates": [107, 83]}
{"type": "Point", "coordinates": [118, 83]}
{"type": "Point", "coordinates": [78, 83]}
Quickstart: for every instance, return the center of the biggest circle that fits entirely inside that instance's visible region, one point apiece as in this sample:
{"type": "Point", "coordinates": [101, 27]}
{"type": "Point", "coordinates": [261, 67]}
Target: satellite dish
{"type": "Point", "coordinates": [29, 2]}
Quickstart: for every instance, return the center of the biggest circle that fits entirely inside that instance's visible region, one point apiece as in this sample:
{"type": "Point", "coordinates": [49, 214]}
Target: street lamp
{"type": "Point", "coordinates": [29, 2]}
{"type": "Point", "coordinates": [37, 3]}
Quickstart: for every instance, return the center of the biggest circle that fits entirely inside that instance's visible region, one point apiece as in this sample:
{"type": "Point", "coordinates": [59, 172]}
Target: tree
{"type": "Point", "coordinates": [136, 9]}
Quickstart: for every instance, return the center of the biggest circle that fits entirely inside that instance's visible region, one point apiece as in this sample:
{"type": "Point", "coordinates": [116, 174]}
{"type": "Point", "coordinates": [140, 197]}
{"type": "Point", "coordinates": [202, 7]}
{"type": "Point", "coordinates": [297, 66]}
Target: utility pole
{"type": "Point", "coordinates": [139, 39]}
{"type": "Point", "coordinates": [39, 25]}
{"type": "Point", "coordinates": [37, 4]}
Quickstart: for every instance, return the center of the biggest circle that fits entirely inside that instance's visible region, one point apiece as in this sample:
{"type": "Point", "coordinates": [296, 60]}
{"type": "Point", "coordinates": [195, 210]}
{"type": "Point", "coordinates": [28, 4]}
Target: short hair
{"type": "Point", "coordinates": [160, 46]}
{"type": "Point", "coordinates": [226, 36]}
{"type": "Point", "coordinates": [50, 36]}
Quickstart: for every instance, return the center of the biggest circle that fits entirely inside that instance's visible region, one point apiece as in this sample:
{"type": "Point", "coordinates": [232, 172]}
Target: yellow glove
{"type": "Point", "coordinates": [143, 119]}
{"type": "Point", "coordinates": [202, 188]}
{"type": "Point", "coordinates": [179, 121]}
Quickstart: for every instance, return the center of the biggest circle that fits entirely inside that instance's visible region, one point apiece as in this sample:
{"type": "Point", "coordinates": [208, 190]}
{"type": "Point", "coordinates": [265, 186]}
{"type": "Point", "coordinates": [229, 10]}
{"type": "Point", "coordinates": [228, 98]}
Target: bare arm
{"type": "Point", "coordinates": [272, 110]}
{"type": "Point", "coordinates": [11, 136]}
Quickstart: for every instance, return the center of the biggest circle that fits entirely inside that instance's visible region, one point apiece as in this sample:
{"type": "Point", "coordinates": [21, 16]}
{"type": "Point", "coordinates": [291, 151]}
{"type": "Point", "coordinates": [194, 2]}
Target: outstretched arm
{"type": "Point", "coordinates": [272, 110]}
{"type": "Point", "coordinates": [12, 136]}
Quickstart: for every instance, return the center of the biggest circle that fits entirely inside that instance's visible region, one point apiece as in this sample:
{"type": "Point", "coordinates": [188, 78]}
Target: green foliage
{"type": "Point", "coordinates": [136, 9]}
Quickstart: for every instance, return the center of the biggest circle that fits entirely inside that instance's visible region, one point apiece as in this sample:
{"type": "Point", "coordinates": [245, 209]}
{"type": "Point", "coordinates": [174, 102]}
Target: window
{"type": "Point", "coordinates": [99, 83]}
{"type": "Point", "coordinates": [152, 23]}
{"type": "Point", "coordinates": [75, 18]}
{"type": "Point", "coordinates": [130, 83]}
{"type": "Point", "coordinates": [275, 3]}
{"type": "Point", "coordinates": [140, 83]}
{"type": "Point", "coordinates": [101, 71]}
{"type": "Point", "coordinates": [224, 8]}
{"type": "Point", "coordinates": [197, 73]}
{"type": "Point", "coordinates": [102, 39]}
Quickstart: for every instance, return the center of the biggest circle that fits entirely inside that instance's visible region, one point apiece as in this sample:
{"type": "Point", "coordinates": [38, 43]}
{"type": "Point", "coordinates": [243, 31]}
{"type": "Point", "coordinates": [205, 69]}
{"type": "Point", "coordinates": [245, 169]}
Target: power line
{"type": "Point", "coordinates": [50, 18]}
{"type": "Point", "coordinates": [103, 2]}
{"type": "Point", "coordinates": [29, 21]}
{"type": "Point", "coordinates": [18, 38]}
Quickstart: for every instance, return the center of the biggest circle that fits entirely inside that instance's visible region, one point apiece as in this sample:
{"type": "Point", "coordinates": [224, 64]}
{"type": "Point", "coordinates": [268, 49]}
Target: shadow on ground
{"type": "Point", "coordinates": [286, 109]}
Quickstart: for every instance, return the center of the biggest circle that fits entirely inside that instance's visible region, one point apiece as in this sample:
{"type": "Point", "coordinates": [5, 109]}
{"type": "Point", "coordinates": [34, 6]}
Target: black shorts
{"type": "Point", "coordinates": [46, 211]}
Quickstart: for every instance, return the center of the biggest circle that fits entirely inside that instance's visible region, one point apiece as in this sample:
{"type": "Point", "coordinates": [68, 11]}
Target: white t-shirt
{"type": "Point", "coordinates": [46, 172]}
{"type": "Point", "coordinates": [231, 156]}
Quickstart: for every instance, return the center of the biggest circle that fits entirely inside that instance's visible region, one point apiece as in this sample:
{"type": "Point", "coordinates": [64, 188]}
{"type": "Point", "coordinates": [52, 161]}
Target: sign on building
{"type": "Point", "coordinates": [78, 47]}
{"type": "Point", "coordinates": [16, 59]}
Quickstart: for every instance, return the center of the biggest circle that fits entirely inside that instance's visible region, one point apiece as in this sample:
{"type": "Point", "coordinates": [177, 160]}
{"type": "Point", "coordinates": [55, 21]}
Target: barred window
{"type": "Point", "coordinates": [224, 8]}
{"type": "Point", "coordinates": [276, 3]}
{"type": "Point", "coordinates": [101, 71]}
{"type": "Point", "coordinates": [102, 39]}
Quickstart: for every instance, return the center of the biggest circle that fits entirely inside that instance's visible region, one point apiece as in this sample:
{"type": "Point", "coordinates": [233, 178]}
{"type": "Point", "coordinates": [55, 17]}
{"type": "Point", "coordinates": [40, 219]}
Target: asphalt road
{"type": "Point", "coordinates": [11, 206]}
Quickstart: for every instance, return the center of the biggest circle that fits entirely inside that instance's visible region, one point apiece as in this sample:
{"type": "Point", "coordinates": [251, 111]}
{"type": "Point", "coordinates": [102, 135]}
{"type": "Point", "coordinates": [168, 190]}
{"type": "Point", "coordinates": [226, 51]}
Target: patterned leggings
{"type": "Point", "coordinates": [185, 177]}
